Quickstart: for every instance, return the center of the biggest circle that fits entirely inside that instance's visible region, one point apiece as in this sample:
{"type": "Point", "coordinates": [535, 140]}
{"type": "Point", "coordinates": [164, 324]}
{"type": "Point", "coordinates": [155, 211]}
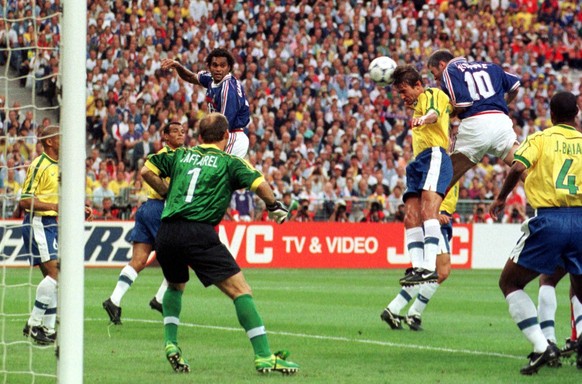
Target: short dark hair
{"type": "Point", "coordinates": [406, 74]}
{"type": "Point", "coordinates": [437, 56]}
{"type": "Point", "coordinates": [220, 52]}
{"type": "Point", "coordinates": [48, 133]}
{"type": "Point", "coordinates": [212, 127]}
{"type": "Point", "coordinates": [166, 129]}
{"type": "Point", "coordinates": [563, 107]}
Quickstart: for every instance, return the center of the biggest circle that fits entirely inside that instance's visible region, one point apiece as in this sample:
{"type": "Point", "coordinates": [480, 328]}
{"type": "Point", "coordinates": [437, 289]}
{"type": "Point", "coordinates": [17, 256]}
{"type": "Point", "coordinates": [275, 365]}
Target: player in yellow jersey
{"type": "Point", "coordinates": [428, 176]}
{"type": "Point", "coordinates": [143, 236]}
{"type": "Point", "coordinates": [424, 292]}
{"type": "Point", "coordinates": [553, 186]}
{"type": "Point", "coordinates": [40, 200]}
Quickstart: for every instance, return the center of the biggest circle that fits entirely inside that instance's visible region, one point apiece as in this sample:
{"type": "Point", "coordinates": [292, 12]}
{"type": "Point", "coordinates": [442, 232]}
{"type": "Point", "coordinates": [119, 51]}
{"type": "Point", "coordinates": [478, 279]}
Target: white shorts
{"type": "Point", "coordinates": [238, 144]}
{"type": "Point", "coordinates": [488, 133]}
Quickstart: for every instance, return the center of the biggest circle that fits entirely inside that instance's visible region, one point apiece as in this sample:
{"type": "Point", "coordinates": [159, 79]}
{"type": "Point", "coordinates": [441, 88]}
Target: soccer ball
{"type": "Point", "coordinates": [381, 69]}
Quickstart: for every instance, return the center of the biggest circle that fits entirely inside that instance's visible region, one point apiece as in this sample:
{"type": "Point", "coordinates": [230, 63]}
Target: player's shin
{"type": "Point", "coordinates": [172, 306]}
{"type": "Point", "coordinates": [524, 314]}
{"type": "Point", "coordinates": [547, 305]}
{"type": "Point", "coordinates": [251, 321]}
{"type": "Point", "coordinates": [432, 234]}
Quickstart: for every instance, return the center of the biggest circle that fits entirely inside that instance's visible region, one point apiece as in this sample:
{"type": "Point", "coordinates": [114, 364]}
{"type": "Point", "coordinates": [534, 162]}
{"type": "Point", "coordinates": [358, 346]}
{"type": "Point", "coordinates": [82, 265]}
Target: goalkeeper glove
{"type": "Point", "coordinates": [277, 212]}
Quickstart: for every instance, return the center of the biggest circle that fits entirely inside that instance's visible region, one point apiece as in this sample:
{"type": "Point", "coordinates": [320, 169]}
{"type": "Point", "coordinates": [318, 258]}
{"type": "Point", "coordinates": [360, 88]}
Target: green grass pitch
{"type": "Point", "coordinates": [328, 319]}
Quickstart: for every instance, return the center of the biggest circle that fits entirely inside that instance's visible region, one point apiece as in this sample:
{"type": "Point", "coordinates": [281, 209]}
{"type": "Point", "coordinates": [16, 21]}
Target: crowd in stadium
{"type": "Point", "coordinates": [324, 135]}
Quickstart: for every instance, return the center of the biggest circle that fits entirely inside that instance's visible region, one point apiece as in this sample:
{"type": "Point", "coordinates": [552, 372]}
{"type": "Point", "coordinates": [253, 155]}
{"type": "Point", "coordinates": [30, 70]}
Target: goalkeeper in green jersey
{"type": "Point", "coordinates": [203, 179]}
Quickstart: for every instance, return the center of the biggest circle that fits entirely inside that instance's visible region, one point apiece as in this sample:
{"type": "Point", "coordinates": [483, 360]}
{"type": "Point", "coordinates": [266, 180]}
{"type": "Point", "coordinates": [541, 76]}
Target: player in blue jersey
{"type": "Point", "coordinates": [143, 236]}
{"type": "Point", "coordinates": [553, 160]}
{"type": "Point", "coordinates": [479, 93]}
{"type": "Point", "coordinates": [224, 94]}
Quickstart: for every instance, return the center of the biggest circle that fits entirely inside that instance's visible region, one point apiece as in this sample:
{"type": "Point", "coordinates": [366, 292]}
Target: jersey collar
{"type": "Point", "coordinates": [209, 146]}
{"type": "Point", "coordinates": [565, 126]}
{"type": "Point", "coordinates": [227, 77]}
{"type": "Point", "coordinates": [50, 158]}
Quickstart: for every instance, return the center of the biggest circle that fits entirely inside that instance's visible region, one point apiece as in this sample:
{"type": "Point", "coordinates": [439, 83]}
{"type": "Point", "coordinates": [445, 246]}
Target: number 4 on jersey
{"type": "Point", "coordinates": [570, 184]}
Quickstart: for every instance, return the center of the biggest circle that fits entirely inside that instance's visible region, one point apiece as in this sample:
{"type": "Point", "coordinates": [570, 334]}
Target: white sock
{"type": "Point", "coordinates": [161, 291]}
{"type": "Point", "coordinates": [126, 277]}
{"type": "Point", "coordinates": [432, 234]}
{"type": "Point", "coordinates": [45, 293]}
{"type": "Point", "coordinates": [577, 306]}
{"type": "Point", "coordinates": [547, 305]}
{"type": "Point", "coordinates": [49, 319]}
{"type": "Point", "coordinates": [523, 312]}
{"type": "Point", "coordinates": [424, 295]}
{"type": "Point", "coordinates": [404, 296]}
{"type": "Point", "coordinates": [415, 245]}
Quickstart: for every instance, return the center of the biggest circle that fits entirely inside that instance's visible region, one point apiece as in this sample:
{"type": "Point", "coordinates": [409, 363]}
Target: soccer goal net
{"type": "Point", "coordinates": [42, 85]}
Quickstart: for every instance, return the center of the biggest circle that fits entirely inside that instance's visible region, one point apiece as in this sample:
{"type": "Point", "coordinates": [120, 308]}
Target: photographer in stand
{"type": "Point", "coordinates": [481, 215]}
{"type": "Point", "coordinates": [302, 214]}
{"type": "Point", "coordinates": [375, 214]}
{"type": "Point", "coordinates": [340, 214]}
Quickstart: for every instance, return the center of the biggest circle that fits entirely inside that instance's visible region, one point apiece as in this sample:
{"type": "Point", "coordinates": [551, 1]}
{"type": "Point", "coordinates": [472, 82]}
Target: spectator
{"type": "Point", "coordinates": [399, 178]}
{"type": "Point", "coordinates": [102, 190]}
{"type": "Point", "coordinates": [481, 215]}
{"type": "Point", "coordinates": [242, 206]}
{"type": "Point", "coordinates": [327, 199]}
{"type": "Point", "coordinates": [12, 190]}
{"type": "Point", "coordinates": [106, 211]}
{"type": "Point", "coordinates": [394, 200]}
{"type": "Point", "coordinates": [400, 214]}
{"type": "Point", "coordinates": [375, 214]}
{"type": "Point", "coordinates": [303, 214]}
{"type": "Point", "coordinates": [141, 150]}
{"type": "Point", "coordinates": [118, 184]}
{"type": "Point", "coordinates": [300, 96]}
{"type": "Point", "coordinates": [290, 204]}
{"type": "Point", "coordinates": [340, 213]}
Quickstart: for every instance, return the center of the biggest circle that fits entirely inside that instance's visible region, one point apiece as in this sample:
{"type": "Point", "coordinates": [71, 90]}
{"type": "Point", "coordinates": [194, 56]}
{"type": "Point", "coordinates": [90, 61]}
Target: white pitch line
{"type": "Point", "coordinates": [335, 338]}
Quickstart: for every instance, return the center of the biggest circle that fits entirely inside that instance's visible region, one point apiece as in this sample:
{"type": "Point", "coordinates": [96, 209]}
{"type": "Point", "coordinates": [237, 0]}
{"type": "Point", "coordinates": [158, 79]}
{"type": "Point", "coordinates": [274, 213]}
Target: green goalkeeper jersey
{"type": "Point", "coordinates": [203, 179]}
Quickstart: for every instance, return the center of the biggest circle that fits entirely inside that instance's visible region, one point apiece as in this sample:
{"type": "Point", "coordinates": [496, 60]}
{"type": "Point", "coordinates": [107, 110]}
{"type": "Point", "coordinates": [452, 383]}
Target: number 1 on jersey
{"type": "Point", "coordinates": [570, 184]}
{"type": "Point", "coordinates": [192, 186]}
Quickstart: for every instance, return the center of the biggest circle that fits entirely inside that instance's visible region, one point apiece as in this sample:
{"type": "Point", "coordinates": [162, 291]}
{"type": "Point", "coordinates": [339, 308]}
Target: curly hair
{"type": "Point", "coordinates": [220, 52]}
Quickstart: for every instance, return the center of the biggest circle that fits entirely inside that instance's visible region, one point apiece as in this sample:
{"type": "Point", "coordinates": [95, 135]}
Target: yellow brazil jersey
{"type": "Point", "coordinates": [42, 182]}
{"type": "Point", "coordinates": [554, 161]}
{"type": "Point", "coordinates": [449, 204]}
{"type": "Point", "coordinates": [117, 186]}
{"type": "Point", "coordinates": [151, 193]}
{"type": "Point", "coordinates": [436, 134]}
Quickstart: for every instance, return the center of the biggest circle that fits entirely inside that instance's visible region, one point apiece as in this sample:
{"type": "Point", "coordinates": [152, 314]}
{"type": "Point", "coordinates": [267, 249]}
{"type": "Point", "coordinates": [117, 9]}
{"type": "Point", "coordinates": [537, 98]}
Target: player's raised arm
{"type": "Point", "coordinates": [183, 72]}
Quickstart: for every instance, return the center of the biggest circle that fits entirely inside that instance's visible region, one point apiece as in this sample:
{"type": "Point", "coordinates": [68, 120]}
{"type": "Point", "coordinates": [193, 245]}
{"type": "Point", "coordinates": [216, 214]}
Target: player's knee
{"type": "Point", "coordinates": [138, 263]}
{"type": "Point", "coordinates": [506, 286]}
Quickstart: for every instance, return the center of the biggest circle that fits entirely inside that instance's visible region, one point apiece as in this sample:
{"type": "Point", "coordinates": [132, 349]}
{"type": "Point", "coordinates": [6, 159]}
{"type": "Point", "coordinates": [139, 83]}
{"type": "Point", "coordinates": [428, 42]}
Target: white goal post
{"type": "Point", "coordinates": [72, 192]}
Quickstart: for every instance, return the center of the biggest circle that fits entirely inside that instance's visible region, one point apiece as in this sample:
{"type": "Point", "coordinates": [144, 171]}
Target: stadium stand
{"type": "Point", "coordinates": [317, 118]}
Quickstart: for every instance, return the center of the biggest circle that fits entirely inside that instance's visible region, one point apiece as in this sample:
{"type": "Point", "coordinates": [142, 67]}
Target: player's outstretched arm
{"type": "Point", "coordinates": [183, 72]}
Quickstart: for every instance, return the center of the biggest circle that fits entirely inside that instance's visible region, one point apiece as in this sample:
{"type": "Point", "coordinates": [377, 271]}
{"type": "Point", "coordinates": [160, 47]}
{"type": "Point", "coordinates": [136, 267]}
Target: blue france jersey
{"type": "Point", "coordinates": [477, 86]}
{"type": "Point", "coordinates": [227, 97]}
